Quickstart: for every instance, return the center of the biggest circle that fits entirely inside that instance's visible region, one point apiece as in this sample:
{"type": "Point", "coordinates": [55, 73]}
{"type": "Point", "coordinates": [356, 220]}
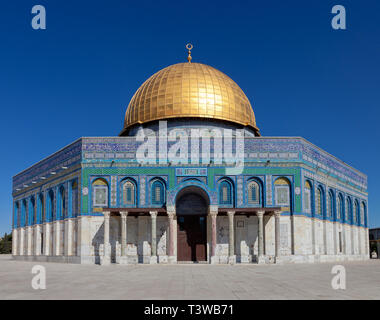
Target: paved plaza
{"type": "Point", "coordinates": [189, 281]}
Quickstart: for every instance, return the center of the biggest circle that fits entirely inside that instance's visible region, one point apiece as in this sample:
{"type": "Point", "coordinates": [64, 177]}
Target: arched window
{"type": "Point", "coordinates": [307, 197]}
{"type": "Point", "coordinates": [319, 202]}
{"type": "Point", "coordinates": [24, 214]}
{"type": "Point", "coordinates": [74, 199]}
{"type": "Point", "coordinates": [331, 211]}
{"type": "Point", "coordinates": [356, 213]}
{"type": "Point", "coordinates": [282, 192]}
{"type": "Point", "coordinates": [348, 215]}
{"type": "Point", "coordinates": [225, 193]}
{"type": "Point", "coordinates": [100, 193]}
{"type": "Point", "coordinates": [32, 211]}
{"type": "Point", "coordinates": [61, 205]}
{"type": "Point", "coordinates": [362, 214]}
{"type": "Point", "coordinates": [129, 193]}
{"type": "Point", "coordinates": [16, 217]}
{"type": "Point", "coordinates": [253, 192]}
{"type": "Point", "coordinates": [50, 206]}
{"type": "Point", "coordinates": [158, 193]}
{"type": "Point", "coordinates": [40, 209]}
{"type": "Point", "coordinates": [340, 207]}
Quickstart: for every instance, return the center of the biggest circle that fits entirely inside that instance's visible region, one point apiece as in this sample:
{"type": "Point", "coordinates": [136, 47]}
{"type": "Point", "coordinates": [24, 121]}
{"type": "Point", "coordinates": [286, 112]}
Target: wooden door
{"type": "Point", "coordinates": [191, 238]}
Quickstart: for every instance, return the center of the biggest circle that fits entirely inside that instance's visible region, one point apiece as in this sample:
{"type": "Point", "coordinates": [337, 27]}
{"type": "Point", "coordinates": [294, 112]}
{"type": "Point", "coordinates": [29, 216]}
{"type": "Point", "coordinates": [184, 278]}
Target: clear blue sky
{"type": "Point", "coordinates": [302, 77]}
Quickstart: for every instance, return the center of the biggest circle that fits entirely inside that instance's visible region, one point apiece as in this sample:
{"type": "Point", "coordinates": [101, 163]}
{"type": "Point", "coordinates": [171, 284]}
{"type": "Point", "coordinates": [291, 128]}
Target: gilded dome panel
{"type": "Point", "coordinates": [189, 90]}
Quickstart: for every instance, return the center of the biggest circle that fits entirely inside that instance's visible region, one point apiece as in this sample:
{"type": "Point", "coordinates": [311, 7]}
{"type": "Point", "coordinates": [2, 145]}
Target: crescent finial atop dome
{"type": "Point", "coordinates": [189, 46]}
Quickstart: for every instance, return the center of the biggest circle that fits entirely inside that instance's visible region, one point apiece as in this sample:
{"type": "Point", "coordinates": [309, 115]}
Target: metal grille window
{"type": "Point", "coordinates": [253, 193]}
{"type": "Point", "coordinates": [158, 195]}
{"type": "Point", "coordinates": [307, 198]}
{"type": "Point", "coordinates": [282, 195]}
{"type": "Point", "coordinates": [319, 202]}
{"type": "Point", "coordinates": [129, 193]}
{"type": "Point", "coordinates": [331, 205]}
{"type": "Point", "coordinates": [225, 196]}
{"type": "Point", "coordinates": [100, 193]}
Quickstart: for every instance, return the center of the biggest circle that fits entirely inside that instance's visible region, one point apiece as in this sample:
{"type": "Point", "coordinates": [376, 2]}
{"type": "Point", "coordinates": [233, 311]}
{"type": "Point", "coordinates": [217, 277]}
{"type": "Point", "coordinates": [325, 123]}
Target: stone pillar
{"type": "Point", "coordinates": [213, 212]}
{"type": "Point", "coordinates": [231, 243]}
{"type": "Point", "coordinates": [123, 220]}
{"type": "Point", "coordinates": [260, 216]}
{"type": "Point", "coordinates": [153, 256]}
{"type": "Point", "coordinates": [37, 240]}
{"type": "Point", "coordinates": [277, 235]}
{"type": "Point", "coordinates": [68, 245]}
{"type": "Point", "coordinates": [47, 239]}
{"type": "Point", "coordinates": [106, 258]}
{"type": "Point", "coordinates": [14, 242]}
{"type": "Point", "coordinates": [30, 240]}
{"type": "Point", "coordinates": [57, 238]}
{"type": "Point", "coordinates": [171, 214]}
{"type": "Point", "coordinates": [22, 242]}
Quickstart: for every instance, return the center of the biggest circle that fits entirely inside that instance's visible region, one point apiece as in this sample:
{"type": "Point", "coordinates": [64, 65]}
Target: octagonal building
{"type": "Point", "coordinates": [190, 179]}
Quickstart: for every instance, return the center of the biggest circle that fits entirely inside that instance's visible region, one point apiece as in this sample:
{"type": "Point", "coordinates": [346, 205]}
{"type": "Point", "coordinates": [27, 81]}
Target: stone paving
{"type": "Point", "coordinates": [189, 281]}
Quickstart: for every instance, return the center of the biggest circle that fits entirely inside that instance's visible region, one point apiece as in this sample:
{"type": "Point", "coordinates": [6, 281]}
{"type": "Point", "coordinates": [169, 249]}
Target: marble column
{"type": "Point", "coordinates": [260, 236]}
{"type": "Point", "coordinates": [171, 214]}
{"type": "Point", "coordinates": [153, 256]}
{"type": "Point", "coordinates": [123, 220]}
{"type": "Point", "coordinates": [37, 240]}
{"type": "Point", "coordinates": [213, 214]}
{"type": "Point", "coordinates": [30, 240]}
{"type": "Point", "coordinates": [22, 242]}
{"type": "Point", "coordinates": [57, 238]}
{"type": "Point", "coordinates": [277, 235]}
{"type": "Point", "coordinates": [231, 242]}
{"type": "Point", "coordinates": [106, 258]}
{"type": "Point", "coordinates": [14, 242]}
{"type": "Point", "coordinates": [46, 239]}
{"type": "Point", "coordinates": [68, 245]}
{"type": "Point", "coordinates": [123, 259]}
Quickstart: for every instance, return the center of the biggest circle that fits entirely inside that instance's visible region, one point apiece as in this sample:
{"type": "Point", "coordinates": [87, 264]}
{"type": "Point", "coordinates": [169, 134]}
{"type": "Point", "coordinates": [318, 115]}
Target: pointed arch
{"type": "Point", "coordinates": [40, 209]}
{"type": "Point", "coordinates": [254, 192]}
{"type": "Point", "coordinates": [282, 192]}
{"type": "Point", "coordinates": [158, 192]}
{"type": "Point", "coordinates": [331, 205]}
{"type": "Point", "coordinates": [308, 191]}
{"type": "Point", "coordinates": [348, 213]}
{"type": "Point", "coordinates": [61, 203]}
{"type": "Point", "coordinates": [320, 203]}
{"type": "Point", "coordinates": [100, 193]}
{"type": "Point", "coordinates": [226, 197]}
{"type": "Point", "coordinates": [128, 192]}
{"type": "Point", "coordinates": [356, 213]}
{"type": "Point", "coordinates": [50, 206]}
{"type": "Point", "coordinates": [340, 205]}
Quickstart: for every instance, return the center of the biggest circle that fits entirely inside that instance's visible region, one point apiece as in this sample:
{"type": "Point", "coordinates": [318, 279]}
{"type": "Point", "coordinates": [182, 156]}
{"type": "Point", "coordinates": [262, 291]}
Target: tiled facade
{"type": "Point", "coordinates": [54, 217]}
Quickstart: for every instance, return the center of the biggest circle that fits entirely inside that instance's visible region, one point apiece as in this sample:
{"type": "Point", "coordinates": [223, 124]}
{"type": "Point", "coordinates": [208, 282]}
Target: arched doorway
{"type": "Point", "coordinates": [191, 209]}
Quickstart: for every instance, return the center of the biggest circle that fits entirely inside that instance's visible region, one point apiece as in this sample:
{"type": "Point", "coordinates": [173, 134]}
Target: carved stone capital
{"type": "Point", "coordinates": [153, 214]}
{"type": "Point", "coordinates": [230, 213]}
{"type": "Point", "coordinates": [106, 214]}
{"type": "Point", "coordinates": [170, 210]}
{"type": "Point", "coordinates": [123, 214]}
{"type": "Point", "coordinates": [260, 214]}
{"type": "Point", "coordinates": [213, 210]}
{"type": "Point", "coordinates": [277, 213]}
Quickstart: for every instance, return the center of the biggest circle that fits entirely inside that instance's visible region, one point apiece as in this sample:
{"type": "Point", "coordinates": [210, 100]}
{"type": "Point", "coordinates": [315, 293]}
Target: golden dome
{"type": "Point", "coordinates": [189, 90]}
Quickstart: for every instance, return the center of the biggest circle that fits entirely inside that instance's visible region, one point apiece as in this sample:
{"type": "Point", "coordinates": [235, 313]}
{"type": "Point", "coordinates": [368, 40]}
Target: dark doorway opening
{"type": "Point", "coordinates": [191, 238]}
{"type": "Point", "coordinates": [191, 209]}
